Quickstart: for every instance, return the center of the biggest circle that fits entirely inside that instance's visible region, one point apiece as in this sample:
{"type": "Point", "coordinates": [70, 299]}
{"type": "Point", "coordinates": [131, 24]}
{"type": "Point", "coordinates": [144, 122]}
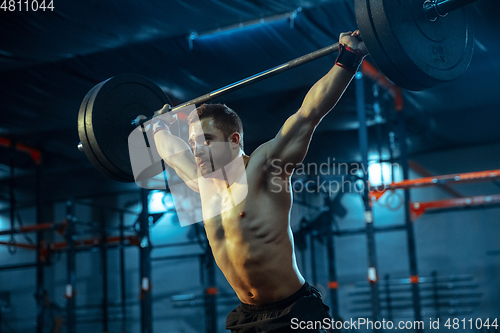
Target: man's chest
{"type": "Point", "coordinates": [223, 200]}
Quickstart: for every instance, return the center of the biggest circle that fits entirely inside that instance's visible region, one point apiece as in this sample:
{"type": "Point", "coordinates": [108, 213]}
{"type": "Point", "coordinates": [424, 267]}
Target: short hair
{"type": "Point", "coordinates": [225, 119]}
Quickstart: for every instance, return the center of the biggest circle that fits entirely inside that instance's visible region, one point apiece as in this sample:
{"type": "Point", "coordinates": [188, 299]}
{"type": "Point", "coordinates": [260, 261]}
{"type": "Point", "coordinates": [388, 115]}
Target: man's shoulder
{"type": "Point", "coordinates": [259, 160]}
{"type": "Point", "coordinates": [259, 155]}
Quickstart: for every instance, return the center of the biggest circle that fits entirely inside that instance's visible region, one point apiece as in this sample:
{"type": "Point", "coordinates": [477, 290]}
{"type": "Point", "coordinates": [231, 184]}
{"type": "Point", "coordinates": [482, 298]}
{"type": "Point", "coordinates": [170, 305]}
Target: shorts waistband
{"type": "Point", "coordinates": [305, 290]}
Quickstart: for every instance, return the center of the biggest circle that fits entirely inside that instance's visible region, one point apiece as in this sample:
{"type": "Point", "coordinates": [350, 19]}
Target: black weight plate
{"type": "Point", "coordinates": [410, 50]}
{"type": "Point", "coordinates": [96, 157]}
{"type": "Point", "coordinates": [82, 133]}
{"type": "Point", "coordinates": [105, 121]}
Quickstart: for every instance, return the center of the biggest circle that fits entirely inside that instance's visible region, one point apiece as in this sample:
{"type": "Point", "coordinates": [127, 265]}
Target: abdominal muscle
{"type": "Point", "coordinates": [255, 255]}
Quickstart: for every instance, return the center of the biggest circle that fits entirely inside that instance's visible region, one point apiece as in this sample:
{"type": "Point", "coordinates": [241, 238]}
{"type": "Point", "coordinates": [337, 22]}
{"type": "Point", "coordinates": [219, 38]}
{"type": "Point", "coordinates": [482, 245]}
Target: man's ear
{"type": "Point", "coordinates": [235, 140]}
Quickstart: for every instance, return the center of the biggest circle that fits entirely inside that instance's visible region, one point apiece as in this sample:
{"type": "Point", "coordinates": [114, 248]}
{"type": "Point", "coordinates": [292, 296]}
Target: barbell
{"type": "Point", "coordinates": [417, 44]}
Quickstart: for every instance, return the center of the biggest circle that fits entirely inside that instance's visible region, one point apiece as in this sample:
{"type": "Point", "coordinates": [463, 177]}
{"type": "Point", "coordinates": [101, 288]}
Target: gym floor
{"type": "Point", "coordinates": [72, 250]}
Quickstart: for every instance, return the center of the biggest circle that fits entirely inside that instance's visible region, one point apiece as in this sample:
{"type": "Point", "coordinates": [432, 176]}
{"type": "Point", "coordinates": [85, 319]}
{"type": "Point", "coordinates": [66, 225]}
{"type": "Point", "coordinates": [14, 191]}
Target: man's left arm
{"type": "Point", "coordinates": [290, 145]}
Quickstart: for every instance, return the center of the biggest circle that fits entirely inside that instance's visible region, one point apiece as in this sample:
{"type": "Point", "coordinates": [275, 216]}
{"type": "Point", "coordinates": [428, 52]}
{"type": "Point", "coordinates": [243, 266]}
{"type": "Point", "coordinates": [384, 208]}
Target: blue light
{"type": "Point", "coordinates": [5, 238]}
{"type": "Point", "coordinates": [382, 173]}
{"type": "Point", "coordinates": [4, 224]}
{"type": "Point", "coordinates": [156, 202]}
{"type": "Point", "coordinates": [160, 202]}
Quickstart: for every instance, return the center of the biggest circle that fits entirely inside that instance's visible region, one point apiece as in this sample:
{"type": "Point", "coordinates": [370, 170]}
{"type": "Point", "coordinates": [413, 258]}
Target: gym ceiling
{"type": "Point", "coordinates": [50, 60]}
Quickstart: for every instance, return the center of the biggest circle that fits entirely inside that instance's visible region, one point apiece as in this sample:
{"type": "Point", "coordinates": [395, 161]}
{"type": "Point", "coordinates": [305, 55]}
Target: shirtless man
{"type": "Point", "coordinates": [247, 221]}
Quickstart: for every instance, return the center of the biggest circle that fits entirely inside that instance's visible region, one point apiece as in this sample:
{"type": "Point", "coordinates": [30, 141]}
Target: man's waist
{"type": "Point", "coordinates": [305, 290]}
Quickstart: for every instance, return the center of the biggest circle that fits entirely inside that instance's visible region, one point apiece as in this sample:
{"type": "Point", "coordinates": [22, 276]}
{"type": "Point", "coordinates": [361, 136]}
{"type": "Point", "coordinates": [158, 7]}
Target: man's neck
{"type": "Point", "coordinates": [231, 173]}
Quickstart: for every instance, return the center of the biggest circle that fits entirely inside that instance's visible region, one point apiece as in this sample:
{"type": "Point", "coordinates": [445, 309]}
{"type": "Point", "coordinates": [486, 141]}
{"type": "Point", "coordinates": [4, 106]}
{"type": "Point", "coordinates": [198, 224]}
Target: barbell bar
{"type": "Point", "coordinates": [249, 80]}
{"type": "Point", "coordinates": [415, 43]}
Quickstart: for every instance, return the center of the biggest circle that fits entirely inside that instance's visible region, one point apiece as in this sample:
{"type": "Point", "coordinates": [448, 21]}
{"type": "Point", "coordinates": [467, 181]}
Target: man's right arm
{"type": "Point", "coordinates": [177, 154]}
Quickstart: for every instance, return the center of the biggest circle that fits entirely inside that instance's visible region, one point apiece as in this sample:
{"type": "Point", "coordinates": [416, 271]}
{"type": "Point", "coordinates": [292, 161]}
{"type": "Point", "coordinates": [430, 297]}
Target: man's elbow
{"type": "Point", "coordinates": [308, 118]}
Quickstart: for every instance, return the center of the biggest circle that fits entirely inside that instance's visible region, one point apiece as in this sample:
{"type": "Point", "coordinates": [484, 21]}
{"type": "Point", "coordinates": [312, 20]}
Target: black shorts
{"type": "Point", "coordinates": [282, 316]}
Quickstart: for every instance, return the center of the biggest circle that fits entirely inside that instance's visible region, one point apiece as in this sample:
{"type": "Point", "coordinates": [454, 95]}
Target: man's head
{"type": "Point", "coordinates": [215, 135]}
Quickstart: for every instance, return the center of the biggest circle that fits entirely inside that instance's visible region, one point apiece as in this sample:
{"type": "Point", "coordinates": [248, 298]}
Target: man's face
{"type": "Point", "coordinates": [210, 147]}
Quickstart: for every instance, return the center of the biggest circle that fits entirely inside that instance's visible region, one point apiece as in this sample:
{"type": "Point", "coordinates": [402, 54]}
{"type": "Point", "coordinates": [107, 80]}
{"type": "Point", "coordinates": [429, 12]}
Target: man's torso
{"type": "Point", "coordinates": [251, 240]}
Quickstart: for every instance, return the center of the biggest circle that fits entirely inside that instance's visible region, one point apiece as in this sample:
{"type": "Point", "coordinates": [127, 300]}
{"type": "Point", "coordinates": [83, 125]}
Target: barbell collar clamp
{"type": "Point", "coordinates": [440, 8]}
{"type": "Point", "coordinates": [139, 120]}
{"type": "Point", "coordinates": [160, 112]}
{"type": "Point", "coordinates": [431, 10]}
